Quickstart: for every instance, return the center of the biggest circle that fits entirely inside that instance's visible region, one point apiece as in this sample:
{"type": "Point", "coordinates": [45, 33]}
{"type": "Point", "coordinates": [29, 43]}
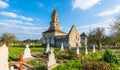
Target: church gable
{"type": "Point", "coordinates": [73, 31]}
{"type": "Point", "coordinates": [74, 37]}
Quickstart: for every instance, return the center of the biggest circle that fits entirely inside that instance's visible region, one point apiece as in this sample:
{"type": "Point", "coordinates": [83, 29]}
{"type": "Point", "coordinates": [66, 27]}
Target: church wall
{"type": "Point", "coordinates": [74, 39]}
{"type": "Point", "coordinates": [48, 38]}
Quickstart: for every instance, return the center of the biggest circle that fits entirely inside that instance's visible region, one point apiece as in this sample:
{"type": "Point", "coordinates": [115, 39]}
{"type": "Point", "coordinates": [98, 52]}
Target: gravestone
{"type": "Point", "coordinates": [94, 50]}
{"type": "Point", "coordinates": [27, 52]}
{"type": "Point", "coordinates": [51, 63]}
{"type": "Point", "coordinates": [52, 49]}
{"type": "Point", "coordinates": [4, 58]}
{"type": "Point", "coordinates": [86, 51]}
{"type": "Point", "coordinates": [62, 47]}
{"type": "Point", "coordinates": [47, 48]}
{"type": "Point", "coordinates": [77, 51]}
{"type": "Point", "coordinates": [11, 68]}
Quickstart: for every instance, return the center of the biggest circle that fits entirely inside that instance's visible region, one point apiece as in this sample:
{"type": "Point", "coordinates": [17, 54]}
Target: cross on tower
{"type": "Point", "coordinates": [20, 62]}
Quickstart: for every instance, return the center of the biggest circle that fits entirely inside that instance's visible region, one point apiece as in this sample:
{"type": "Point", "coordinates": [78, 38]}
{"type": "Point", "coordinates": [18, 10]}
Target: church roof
{"type": "Point", "coordinates": [49, 31]}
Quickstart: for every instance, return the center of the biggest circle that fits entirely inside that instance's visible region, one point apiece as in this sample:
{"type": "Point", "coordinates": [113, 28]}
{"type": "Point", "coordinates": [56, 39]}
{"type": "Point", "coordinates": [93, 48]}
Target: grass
{"type": "Point", "coordinates": [15, 51]}
{"type": "Point", "coordinates": [37, 64]}
{"type": "Point", "coordinates": [67, 60]}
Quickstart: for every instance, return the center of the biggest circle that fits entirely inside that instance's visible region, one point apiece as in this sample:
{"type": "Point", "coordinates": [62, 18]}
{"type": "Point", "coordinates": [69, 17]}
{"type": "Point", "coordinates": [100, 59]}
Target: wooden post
{"type": "Point", "coordinates": [20, 62]}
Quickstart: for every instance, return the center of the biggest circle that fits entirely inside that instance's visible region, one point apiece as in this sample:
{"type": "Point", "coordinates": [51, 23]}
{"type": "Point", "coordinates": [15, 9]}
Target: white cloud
{"type": "Point", "coordinates": [3, 4]}
{"type": "Point", "coordinates": [9, 14]}
{"type": "Point", "coordinates": [26, 18]}
{"type": "Point", "coordinates": [12, 21]}
{"type": "Point", "coordinates": [14, 15]}
{"type": "Point", "coordinates": [39, 4]}
{"type": "Point", "coordinates": [110, 12]}
{"type": "Point", "coordinates": [28, 23]}
{"type": "Point", "coordinates": [105, 24]}
{"type": "Point", "coordinates": [23, 32]}
{"type": "Point", "coordinates": [84, 4]}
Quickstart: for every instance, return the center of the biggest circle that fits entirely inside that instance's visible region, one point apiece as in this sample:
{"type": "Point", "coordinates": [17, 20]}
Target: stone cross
{"type": "Point", "coordinates": [4, 58]}
{"type": "Point", "coordinates": [85, 41]}
{"type": "Point", "coordinates": [77, 51]}
{"type": "Point", "coordinates": [94, 49]}
{"type": "Point", "coordinates": [86, 51]}
{"type": "Point", "coordinates": [62, 47]}
{"type": "Point", "coordinates": [20, 63]}
{"type": "Point", "coordinates": [11, 68]}
{"type": "Point", "coordinates": [51, 60]}
{"type": "Point", "coordinates": [27, 53]}
{"type": "Point", "coordinates": [47, 48]}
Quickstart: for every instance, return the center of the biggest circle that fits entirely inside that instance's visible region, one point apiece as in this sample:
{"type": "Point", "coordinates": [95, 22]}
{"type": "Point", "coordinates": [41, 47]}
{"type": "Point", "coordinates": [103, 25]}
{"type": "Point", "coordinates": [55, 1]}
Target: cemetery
{"type": "Point", "coordinates": [74, 59]}
{"type": "Point", "coordinates": [59, 35]}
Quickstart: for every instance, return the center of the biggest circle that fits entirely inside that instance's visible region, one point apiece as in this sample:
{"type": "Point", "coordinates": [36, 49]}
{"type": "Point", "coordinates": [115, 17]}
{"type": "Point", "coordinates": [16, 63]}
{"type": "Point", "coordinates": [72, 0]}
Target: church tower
{"type": "Point", "coordinates": [54, 24]}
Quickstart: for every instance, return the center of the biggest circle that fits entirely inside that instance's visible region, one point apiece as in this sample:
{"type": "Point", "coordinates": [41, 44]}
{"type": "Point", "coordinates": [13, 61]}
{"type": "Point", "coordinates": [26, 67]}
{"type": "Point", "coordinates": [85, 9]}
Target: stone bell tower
{"type": "Point", "coordinates": [54, 24]}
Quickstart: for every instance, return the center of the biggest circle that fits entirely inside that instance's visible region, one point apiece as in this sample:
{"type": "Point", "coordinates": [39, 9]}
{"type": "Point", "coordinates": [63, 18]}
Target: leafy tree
{"type": "Point", "coordinates": [8, 38]}
{"type": "Point", "coordinates": [116, 28]}
{"type": "Point", "coordinates": [96, 36]}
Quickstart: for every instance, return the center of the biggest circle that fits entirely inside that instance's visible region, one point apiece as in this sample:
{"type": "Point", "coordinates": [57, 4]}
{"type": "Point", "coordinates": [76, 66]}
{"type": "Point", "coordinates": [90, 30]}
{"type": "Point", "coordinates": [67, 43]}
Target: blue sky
{"type": "Point", "coordinates": [29, 18]}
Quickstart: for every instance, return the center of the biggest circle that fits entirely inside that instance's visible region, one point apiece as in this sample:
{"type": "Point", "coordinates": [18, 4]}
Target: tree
{"type": "Point", "coordinates": [96, 36]}
{"type": "Point", "coordinates": [8, 38]}
{"type": "Point", "coordinates": [116, 28]}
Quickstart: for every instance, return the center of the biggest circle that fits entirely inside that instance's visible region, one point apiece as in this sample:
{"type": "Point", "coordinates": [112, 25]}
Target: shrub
{"type": "Point", "coordinates": [95, 66]}
{"type": "Point", "coordinates": [108, 57]}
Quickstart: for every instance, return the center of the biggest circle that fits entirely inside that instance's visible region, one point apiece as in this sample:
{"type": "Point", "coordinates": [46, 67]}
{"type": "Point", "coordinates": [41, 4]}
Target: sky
{"type": "Point", "coordinates": [27, 19]}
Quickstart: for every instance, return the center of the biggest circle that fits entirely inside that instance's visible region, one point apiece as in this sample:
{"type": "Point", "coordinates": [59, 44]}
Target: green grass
{"type": "Point", "coordinates": [37, 64]}
{"type": "Point", "coordinates": [67, 60]}
{"type": "Point", "coordinates": [15, 51]}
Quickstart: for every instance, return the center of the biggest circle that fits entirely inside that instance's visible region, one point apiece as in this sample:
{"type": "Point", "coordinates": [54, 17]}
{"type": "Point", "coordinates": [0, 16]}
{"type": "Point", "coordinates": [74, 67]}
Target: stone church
{"type": "Point", "coordinates": [55, 37]}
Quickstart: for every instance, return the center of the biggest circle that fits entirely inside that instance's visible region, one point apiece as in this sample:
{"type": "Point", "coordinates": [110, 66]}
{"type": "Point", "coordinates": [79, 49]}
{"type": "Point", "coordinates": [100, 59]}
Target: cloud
{"type": "Point", "coordinates": [23, 32]}
{"type": "Point", "coordinates": [39, 4]}
{"type": "Point", "coordinates": [110, 12]}
{"type": "Point", "coordinates": [9, 14]}
{"type": "Point", "coordinates": [12, 21]}
{"type": "Point", "coordinates": [3, 4]}
{"type": "Point", "coordinates": [105, 24]}
{"type": "Point", "coordinates": [14, 15]}
{"type": "Point", "coordinates": [28, 23]}
{"type": "Point", "coordinates": [84, 4]}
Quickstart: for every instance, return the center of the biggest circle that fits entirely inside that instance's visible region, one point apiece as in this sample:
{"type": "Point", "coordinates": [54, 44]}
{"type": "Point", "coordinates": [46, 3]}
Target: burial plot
{"type": "Point", "coordinates": [27, 52]}
{"type": "Point", "coordinates": [19, 64]}
{"type": "Point", "coordinates": [86, 50]}
{"type": "Point", "coordinates": [47, 48]}
{"type": "Point", "coordinates": [94, 50]}
{"type": "Point", "coordinates": [4, 58]}
{"type": "Point", "coordinates": [51, 63]}
{"type": "Point", "coordinates": [62, 47]}
{"type": "Point", "coordinates": [77, 51]}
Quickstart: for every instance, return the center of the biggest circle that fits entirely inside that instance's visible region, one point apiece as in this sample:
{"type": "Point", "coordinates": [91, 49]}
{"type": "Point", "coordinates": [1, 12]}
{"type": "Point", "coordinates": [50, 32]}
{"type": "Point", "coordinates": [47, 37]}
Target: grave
{"type": "Point", "coordinates": [47, 48]}
{"type": "Point", "coordinates": [19, 64]}
{"type": "Point", "coordinates": [51, 63]}
{"type": "Point", "coordinates": [86, 50]}
{"type": "Point", "coordinates": [77, 51]}
{"type": "Point", "coordinates": [62, 47]}
{"type": "Point", "coordinates": [4, 58]}
{"type": "Point", "coordinates": [94, 49]}
{"type": "Point", "coordinates": [27, 52]}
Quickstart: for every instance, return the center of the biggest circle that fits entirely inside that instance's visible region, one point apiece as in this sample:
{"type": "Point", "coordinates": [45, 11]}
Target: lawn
{"type": "Point", "coordinates": [15, 51]}
{"type": "Point", "coordinates": [68, 60]}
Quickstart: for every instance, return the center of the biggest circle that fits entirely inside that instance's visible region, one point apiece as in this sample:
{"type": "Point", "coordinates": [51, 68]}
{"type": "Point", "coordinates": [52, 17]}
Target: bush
{"type": "Point", "coordinates": [95, 66]}
{"type": "Point", "coordinates": [69, 65]}
{"type": "Point", "coordinates": [108, 57]}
